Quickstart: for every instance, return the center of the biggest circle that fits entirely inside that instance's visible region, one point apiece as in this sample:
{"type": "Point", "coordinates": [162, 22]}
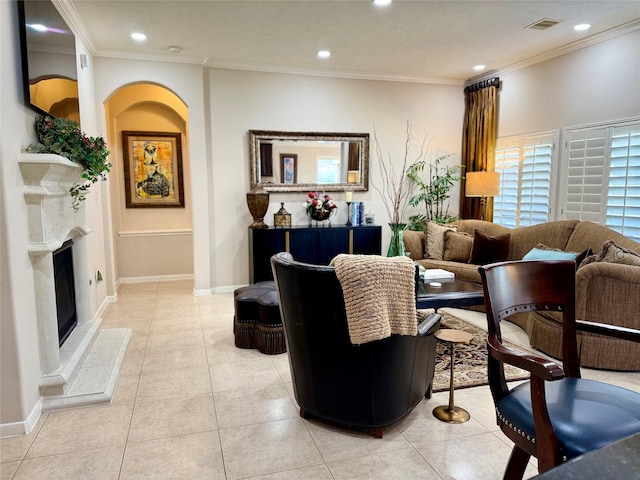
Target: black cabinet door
{"type": "Point", "coordinates": [263, 244]}
{"type": "Point", "coordinates": [331, 243]}
{"type": "Point", "coordinates": [367, 240]}
{"type": "Point", "coordinates": [303, 245]}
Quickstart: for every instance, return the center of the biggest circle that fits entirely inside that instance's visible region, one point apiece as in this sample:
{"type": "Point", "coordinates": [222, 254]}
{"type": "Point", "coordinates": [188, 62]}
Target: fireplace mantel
{"type": "Point", "coordinates": [52, 220]}
{"type": "Point", "coordinates": [47, 179]}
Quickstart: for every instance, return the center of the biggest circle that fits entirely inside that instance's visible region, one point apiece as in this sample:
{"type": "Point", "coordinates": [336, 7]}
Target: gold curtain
{"type": "Point", "coordinates": [479, 140]}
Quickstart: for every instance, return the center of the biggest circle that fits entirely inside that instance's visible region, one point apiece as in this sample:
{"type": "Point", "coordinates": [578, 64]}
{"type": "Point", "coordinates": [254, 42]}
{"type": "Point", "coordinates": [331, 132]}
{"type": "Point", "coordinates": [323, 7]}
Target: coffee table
{"type": "Point", "coordinates": [451, 293]}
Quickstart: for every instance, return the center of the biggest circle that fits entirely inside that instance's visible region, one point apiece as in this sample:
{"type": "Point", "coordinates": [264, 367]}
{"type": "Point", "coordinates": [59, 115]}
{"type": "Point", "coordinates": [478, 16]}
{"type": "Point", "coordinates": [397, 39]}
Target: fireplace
{"type": "Point", "coordinates": [57, 235]}
{"type": "Point", "coordinates": [65, 290]}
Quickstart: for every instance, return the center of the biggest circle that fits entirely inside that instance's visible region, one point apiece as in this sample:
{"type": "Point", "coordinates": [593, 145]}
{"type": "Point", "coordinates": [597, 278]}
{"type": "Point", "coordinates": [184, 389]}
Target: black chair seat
{"type": "Point", "coordinates": [585, 414]}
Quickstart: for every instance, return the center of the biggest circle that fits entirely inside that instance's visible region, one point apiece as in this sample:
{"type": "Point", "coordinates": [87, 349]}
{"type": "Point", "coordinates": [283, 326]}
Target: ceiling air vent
{"type": "Point", "coordinates": [543, 24]}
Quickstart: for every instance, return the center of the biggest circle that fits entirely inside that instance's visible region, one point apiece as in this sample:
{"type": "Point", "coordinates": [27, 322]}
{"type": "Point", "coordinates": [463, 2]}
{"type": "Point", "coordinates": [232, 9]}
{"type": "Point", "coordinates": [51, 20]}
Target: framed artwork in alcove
{"type": "Point", "coordinates": [152, 169]}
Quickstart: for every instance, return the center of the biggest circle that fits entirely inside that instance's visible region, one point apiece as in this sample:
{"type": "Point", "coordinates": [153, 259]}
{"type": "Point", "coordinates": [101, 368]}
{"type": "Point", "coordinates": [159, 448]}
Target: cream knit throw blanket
{"type": "Point", "coordinates": [379, 295]}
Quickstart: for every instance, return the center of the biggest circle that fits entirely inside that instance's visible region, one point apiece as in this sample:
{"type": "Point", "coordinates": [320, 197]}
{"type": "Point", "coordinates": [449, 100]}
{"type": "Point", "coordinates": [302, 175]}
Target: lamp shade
{"type": "Point", "coordinates": [482, 184]}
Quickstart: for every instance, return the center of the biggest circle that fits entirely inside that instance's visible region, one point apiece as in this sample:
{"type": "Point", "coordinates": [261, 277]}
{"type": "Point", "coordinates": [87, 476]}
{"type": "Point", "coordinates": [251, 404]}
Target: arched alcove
{"type": "Point", "coordinates": [152, 241]}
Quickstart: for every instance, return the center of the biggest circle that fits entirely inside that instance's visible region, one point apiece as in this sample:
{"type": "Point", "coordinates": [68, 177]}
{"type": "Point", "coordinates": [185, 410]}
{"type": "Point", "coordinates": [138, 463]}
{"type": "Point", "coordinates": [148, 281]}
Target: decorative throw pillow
{"type": "Point", "coordinates": [457, 246]}
{"type": "Point", "coordinates": [434, 239]}
{"type": "Point", "coordinates": [613, 253]}
{"type": "Point", "coordinates": [488, 249]}
{"type": "Point", "coordinates": [549, 254]}
{"type": "Point", "coordinates": [542, 252]}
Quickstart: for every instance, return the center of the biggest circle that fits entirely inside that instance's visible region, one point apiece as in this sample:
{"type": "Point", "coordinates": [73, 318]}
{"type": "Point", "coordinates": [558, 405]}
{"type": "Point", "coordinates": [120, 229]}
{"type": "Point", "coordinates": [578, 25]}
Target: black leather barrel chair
{"type": "Point", "coordinates": [366, 386]}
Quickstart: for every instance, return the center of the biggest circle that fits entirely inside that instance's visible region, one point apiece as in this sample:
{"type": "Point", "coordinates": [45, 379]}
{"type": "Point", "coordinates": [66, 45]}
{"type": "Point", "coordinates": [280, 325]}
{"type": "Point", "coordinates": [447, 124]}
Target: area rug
{"type": "Point", "coordinates": [470, 367]}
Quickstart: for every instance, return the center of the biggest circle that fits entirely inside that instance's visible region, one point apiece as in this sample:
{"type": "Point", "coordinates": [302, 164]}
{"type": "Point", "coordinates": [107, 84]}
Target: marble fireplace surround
{"type": "Point", "coordinates": [52, 221]}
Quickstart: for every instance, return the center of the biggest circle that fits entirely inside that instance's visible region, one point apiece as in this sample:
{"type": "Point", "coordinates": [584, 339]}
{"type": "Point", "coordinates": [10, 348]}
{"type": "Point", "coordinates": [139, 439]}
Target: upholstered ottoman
{"type": "Point", "coordinates": [246, 314]}
{"type": "Point", "coordinates": [256, 323]}
{"type": "Point", "coordinates": [269, 333]}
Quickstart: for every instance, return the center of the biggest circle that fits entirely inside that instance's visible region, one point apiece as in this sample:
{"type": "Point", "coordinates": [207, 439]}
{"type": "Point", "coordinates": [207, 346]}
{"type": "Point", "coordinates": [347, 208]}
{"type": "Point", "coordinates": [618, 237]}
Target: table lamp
{"type": "Point", "coordinates": [483, 185]}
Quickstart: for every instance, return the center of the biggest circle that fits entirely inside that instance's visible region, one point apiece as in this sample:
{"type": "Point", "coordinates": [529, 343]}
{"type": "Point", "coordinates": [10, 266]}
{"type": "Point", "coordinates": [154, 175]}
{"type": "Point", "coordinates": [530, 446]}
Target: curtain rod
{"type": "Point", "coordinates": [491, 82]}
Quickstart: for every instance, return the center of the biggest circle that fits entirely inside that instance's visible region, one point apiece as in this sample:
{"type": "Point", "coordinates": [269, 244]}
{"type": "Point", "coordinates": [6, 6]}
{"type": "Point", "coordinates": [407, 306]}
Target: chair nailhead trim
{"type": "Point", "coordinates": [514, 428]}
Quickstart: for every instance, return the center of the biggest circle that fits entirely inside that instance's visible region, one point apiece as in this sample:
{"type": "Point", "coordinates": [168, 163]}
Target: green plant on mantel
{"type": "Point", "coordinates": [433, 190]}
{"type": "Point", "coordinates": [64, 137]}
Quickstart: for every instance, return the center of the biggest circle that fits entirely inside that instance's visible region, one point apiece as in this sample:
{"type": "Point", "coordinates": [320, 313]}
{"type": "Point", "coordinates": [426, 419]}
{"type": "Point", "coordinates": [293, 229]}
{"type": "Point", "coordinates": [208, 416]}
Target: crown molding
{"type": "Point", "coordinates": [171, 58]}
{"type": "Point", "coordinates": [572, 47]}
{"type": "Point", "coordinates": [75, 22]}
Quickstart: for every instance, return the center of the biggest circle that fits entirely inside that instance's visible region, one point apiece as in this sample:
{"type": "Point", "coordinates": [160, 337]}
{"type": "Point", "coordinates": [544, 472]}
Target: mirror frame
{"type": "Point", "coordinates": [257, 136]}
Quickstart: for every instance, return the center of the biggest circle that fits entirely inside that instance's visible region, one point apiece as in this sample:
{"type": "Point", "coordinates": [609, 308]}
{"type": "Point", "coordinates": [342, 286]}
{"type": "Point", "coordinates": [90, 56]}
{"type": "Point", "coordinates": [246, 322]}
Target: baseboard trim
{"type": "Point", "coordinates": [226, 289]}
{"type": "Point", "coordinates": [25, 427]}
{"type": "Point", "coordinates": [156, 278]}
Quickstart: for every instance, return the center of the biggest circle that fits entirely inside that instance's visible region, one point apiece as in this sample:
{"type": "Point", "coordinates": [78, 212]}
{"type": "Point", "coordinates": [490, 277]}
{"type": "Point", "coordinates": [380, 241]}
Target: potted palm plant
{"type": "Point", "coordinates": [433, 183]}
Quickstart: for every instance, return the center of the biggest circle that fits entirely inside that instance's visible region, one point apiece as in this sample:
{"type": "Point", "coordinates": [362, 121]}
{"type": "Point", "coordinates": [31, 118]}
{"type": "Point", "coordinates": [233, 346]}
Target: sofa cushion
{"type": "Point", "coordinates": [434, 239]}
{"type": "Point", "coordinates": [487, 249]}
{"type": "Point", "coordinates": [612, 253]}
{"type": "Point", "coordinates": [457, 246]}
{"type": "Point", "coordinates": [590, 234]}
{"type": "Point", "coordinates": [414, 243]}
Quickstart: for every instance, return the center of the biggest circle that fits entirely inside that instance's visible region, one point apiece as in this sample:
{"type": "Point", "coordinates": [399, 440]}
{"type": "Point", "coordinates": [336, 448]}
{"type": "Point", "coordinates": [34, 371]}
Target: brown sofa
{"type": "Point", "coordinates": [606, 292]}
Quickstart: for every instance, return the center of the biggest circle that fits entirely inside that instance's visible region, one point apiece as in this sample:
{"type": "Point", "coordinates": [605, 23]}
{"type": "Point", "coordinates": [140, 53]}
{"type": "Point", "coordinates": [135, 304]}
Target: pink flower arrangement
{"type": "Point", "coordinates": [319, 203]}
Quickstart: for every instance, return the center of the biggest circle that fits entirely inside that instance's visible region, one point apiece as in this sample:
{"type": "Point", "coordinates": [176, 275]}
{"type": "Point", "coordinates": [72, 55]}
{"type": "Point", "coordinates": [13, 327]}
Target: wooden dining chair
{"type": "Point", "coordinates": [556, 415]}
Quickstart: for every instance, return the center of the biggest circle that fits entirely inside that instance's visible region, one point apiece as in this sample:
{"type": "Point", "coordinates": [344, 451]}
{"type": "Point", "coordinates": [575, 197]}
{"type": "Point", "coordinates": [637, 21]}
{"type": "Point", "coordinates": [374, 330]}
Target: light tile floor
{"type": "Point", "coordinates": [190, 405]}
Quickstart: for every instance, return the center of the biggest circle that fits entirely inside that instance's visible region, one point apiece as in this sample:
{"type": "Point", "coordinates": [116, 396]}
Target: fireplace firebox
{"type": "Point", "coordinates": [65, 290]}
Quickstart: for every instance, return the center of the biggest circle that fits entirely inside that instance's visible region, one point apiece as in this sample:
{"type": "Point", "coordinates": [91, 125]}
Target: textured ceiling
{"type": "Point", "coordinates": [429, 41]}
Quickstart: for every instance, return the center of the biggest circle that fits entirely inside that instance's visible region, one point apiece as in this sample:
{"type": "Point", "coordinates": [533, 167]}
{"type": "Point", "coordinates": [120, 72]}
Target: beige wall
{"type": "Point", "coordinates": [595, 84]}
{"type": "Point", "coordinates": [243, 101]}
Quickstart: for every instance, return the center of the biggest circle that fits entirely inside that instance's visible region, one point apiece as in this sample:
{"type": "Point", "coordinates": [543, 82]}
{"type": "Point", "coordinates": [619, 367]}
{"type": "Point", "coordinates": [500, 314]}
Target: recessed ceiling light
{"type": "Point", "coordinates": [175, 49]}
{"type": "Point", "coordinates": [479, 68]}
{"type": "Point", "coordinates": [582, 27]}
{"type": "Point", "coordinates": [38, 27]}
{"type": "Point", "coordinates": [381, 3]}
{"type": "Point", "coordinates": [324, 54]}
{"type": "Point", "coordinates": [139, 37]}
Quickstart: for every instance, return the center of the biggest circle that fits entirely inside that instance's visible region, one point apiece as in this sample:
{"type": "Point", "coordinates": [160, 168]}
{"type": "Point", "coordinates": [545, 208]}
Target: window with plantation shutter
{"type": "Point", "coordinates": [526, 168]}
{"type": "Point", "coordinates": [585, 154]}
{"type": "Point", "coordinates": [601, 176]}
{"type": "Point", "coordinates": [623, 190]}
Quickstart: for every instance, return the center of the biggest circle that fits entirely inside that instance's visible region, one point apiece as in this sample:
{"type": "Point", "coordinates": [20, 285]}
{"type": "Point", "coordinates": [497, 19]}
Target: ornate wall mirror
{"type": "Point", "coordinates": [305, 161]}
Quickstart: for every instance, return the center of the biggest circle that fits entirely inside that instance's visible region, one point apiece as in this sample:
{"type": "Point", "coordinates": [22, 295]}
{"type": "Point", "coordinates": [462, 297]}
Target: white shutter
{"type": "Point", "coordinates": [505, 205]}
{"type": "Point", "coordinates": [535, 190]}
{"type": "Point", "coordinates": [623, 192]}
{"type": "Point", "coordinates": [525, 165]}
{"type": "Point", "coordinates": [585, 156]}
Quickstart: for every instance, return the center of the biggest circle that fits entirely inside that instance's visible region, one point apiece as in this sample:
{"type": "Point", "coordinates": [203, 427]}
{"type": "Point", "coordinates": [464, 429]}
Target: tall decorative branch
{"type": "Point", "coordinates": [395, 190]}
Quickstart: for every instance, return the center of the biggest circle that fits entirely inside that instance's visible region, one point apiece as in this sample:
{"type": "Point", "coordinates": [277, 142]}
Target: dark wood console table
{"type": "Point", "coordinates": [317, 245]}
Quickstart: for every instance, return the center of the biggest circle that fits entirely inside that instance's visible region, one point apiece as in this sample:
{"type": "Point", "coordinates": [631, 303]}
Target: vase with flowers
{"type": "Point", "coordinates": [395, 189]}
{"type": "Point", "coordinates": [319, 207]}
